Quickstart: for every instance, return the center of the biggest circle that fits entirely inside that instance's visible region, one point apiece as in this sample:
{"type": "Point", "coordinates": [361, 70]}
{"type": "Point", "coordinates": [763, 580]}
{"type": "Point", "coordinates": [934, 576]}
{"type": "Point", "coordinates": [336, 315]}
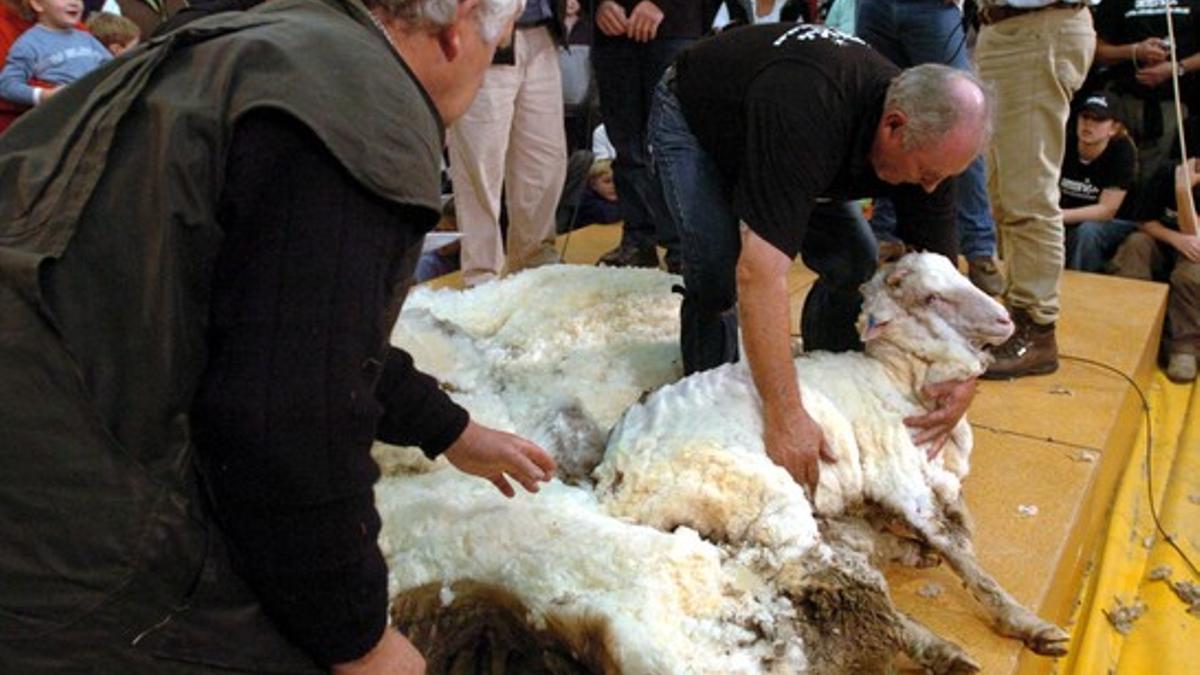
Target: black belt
{"type": "Point", "coordinates": [997, 13]}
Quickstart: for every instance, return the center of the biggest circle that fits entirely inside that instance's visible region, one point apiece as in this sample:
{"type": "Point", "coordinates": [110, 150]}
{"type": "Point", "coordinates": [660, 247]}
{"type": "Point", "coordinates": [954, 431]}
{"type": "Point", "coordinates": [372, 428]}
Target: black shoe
{"type": "Point", "coordinates": [1032, 350]}
{"type": "Point", "coordinates": [628, 255]}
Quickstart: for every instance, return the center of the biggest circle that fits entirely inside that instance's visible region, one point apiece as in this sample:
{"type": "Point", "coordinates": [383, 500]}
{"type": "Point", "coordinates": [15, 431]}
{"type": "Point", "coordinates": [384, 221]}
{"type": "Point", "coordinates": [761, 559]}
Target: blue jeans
{"type": "Point", "coordinates": [1092, 243]}
{"type": "Point", "coordinates": [626, 73]}
{"type": "Point", "coordinates": [838, 246]}
{"type": "Point", "coordinates": [912, 32]}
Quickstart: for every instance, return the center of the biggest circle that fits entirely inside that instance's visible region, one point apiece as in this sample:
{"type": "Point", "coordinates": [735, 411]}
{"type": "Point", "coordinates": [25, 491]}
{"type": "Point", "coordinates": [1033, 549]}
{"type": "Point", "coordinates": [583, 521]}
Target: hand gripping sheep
{"type": "Point", "coordinates": [692, 454]}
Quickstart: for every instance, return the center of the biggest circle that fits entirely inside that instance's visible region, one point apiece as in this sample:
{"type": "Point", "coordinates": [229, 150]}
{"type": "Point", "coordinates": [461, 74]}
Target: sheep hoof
{"type": "Point", "coordinates": [963, 665]}
{"type": "Point", "coordinates": [1049, 640]}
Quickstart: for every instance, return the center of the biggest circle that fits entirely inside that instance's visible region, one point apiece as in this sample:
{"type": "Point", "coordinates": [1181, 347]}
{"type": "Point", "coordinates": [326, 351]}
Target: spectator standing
{"type": "Point", "coordinates": [1098, 171]}
{"type": "Point", "coordinates": [512, 139]}
{"type": "Point", "coordinates": [1132, 44]}
{"type": "Point", "coordinates": [1036, 56]}
{"type": "Point", "coordinates": [51, 54]}
{"type": "Point", "coordinates": [912, 32]}
{"type": "Point", "coordinates": [1166, 248]}
{"type": "Point", "coordinates": [635, 42]}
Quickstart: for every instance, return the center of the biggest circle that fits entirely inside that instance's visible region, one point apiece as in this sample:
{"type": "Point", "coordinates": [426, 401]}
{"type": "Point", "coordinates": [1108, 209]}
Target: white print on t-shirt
{"type": "Point", "coordinates": [1155, 8]}
{"type": "Point", "coordinates": [60, 57]}
{"type": "Point", "coordinates": [1080, 189]}
{"type": "Point", "coordinates": [809, 32]}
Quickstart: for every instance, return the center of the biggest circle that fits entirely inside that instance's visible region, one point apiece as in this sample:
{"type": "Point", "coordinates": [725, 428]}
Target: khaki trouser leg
{"type": "Point", "coordinates": [537, 153]}
{"type": "Point", "coordinates": [1036, 62]}
{"type": "Point", "coordinates": [1183, 308]}
{"type": "Point", "coordinates": [478, 143]}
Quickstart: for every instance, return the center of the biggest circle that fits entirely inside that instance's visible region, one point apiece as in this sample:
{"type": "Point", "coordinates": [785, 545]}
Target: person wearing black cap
{"type": "Point", "coordinates": [1098, 171]}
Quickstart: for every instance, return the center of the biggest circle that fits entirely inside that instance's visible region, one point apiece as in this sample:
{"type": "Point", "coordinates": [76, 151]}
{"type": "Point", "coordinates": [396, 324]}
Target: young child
{"type": "Point", "coordinates": [599, 201]}
{"type": "Point", "coordinates": [114, 31]}
{"type": "Point", "coordinates": [1097, 172]}
{"type": "Point", "coordinates": [51, 54]}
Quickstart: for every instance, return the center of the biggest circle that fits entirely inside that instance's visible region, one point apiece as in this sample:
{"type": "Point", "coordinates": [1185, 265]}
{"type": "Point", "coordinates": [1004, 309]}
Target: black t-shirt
{"type": "Point", "coordinates": [1121, 22]}
{"type": "Point", "coordinates": [1158, 200]}
{"type": "Point", "coordinates": [788, 112]}
{"type": "Point", "coordinates": [1080, 184]}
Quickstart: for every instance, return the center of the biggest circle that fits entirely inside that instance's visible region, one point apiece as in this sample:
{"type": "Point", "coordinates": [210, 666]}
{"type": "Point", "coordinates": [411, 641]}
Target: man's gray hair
{"type": "Point", "coordinates": [933, 99]}
{"type": "Point", "coordinates": [492, 15]}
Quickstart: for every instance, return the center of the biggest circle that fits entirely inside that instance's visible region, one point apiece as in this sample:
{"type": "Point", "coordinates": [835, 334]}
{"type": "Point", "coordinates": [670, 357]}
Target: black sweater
{"type": "Point", "coordinates": [300, 381]}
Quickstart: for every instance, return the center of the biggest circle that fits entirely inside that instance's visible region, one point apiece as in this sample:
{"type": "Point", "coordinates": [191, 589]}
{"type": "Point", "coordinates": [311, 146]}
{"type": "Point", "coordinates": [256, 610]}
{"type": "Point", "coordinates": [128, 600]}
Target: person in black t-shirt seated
{"type": "Point", "coordinates": [1166, 248]}
{"type": "Point", "coordinates": [1097, 172]}
{"type": "Point", "coordinates": [760, 137]}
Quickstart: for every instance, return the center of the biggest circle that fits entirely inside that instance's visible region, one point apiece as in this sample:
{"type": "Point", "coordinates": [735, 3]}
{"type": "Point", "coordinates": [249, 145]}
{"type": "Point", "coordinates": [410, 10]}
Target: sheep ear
{"type": "Point", "coordinates": [895, 276]}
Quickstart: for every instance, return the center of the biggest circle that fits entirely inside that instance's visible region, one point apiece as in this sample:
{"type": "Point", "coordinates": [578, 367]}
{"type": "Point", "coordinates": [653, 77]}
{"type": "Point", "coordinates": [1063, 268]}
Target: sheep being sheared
{"type": "Point", "coordinates": [670, 456]}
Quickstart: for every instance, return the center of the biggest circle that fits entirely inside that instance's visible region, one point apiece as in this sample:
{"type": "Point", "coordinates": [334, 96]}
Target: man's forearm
{"type": "Point", "coordinates": [765, 318]}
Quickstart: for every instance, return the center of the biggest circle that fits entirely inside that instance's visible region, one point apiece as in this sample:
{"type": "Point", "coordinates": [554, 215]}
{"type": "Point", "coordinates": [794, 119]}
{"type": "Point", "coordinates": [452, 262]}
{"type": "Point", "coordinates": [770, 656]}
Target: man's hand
{"type": "Point", "coordinates": [392, 655]}
{"type": "Point", "coordinates": [1188, 245]}
{"type": "Point", "coordinates": [1193, 176]}
{"type": "Point", "coordinates": [1150, 52]}
{"type": "Point", "coordinates": [1153, 76]}
{"type": "Point", "coordinates": [611, 19]}
{"type": "Point", "coordinates": [796, 443]}
{"type": "Point", "coordinates": [491, 454]}
{"type": "Point", "coordinates": [951, 400]}
{"type": "Point", "coordinates": [643, 21]}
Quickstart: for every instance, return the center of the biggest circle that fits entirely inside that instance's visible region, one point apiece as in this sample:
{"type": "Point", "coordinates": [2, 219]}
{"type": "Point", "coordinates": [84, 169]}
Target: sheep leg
{"type": "Point", "coordinates": [932, 652]}
{"type": "Point", "coordinates": [1009, 617]}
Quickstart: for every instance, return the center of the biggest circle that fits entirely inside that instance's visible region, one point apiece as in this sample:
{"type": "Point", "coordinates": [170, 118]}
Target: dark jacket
{"type": "Point", "coordinates": [108, 237]}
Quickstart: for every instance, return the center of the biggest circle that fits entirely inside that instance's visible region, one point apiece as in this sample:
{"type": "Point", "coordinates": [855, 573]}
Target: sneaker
{"type": "Point", "coordinates": [628, 255]}
{"type": "Point", "coordinates": [1182, 368]}
{"type": "Point", "coordinates": [985, 274]}
{"type": "Point", "coordinates": [1032, 350]}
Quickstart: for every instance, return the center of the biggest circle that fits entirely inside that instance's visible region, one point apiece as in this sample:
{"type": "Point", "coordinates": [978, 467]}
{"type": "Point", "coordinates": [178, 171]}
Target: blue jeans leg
{"type": "Point", "coordinates": [626, 74]}
{"type": "Point", "coordinates": [708, 236]}
{"type": "Point", "coordinates": [839, 247]}
{"type": "Point", "coordinates": [912, 32]}
{"type": "Point", "coordinates": [1092, 243]}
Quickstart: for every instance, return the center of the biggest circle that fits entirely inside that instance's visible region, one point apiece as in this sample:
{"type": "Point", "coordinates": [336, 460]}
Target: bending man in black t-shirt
{"type": "Point", "coordinates": [760, 136]}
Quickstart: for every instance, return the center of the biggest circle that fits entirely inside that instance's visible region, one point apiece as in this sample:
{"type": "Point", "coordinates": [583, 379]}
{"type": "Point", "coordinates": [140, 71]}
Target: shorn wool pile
{"type": "Point", "coordinates": [671, 543]}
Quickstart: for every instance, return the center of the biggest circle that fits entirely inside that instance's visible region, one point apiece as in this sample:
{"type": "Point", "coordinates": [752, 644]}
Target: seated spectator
{"type": "Point", "coordinates": [52, 53]}
{"type": "Point", "coordinates": [1166, 248]}
{"type": "Point", "coordinates": [114, 31]}
{"type": "Point", "coordinates": [599, 203]}
{"type": "Point", "coordinates": [15, 18]}
{"type": "Point", "coordinates": [1097, 172]}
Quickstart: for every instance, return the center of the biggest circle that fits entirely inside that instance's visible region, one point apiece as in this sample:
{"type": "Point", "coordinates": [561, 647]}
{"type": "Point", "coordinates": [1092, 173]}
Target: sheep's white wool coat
{"type": "Point", "coordinates": [691, 534]}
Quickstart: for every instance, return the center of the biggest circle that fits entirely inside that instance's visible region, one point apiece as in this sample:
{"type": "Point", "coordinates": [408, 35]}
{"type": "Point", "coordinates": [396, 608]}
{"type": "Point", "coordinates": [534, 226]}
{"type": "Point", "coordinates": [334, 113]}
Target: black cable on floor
{"type": "Point", "coordinates": [1167, 537]}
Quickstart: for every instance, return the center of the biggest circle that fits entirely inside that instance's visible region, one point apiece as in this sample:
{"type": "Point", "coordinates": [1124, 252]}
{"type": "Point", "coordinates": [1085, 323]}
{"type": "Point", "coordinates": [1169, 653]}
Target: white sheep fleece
{"type": "Point", "coordinates": [517, 352]}
{"type": "Point", "coordinates": [674, 602]}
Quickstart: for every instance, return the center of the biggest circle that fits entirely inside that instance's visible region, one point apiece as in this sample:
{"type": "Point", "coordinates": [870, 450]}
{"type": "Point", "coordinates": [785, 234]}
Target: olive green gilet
{"type": "Point", "coordinates": [107, 240]}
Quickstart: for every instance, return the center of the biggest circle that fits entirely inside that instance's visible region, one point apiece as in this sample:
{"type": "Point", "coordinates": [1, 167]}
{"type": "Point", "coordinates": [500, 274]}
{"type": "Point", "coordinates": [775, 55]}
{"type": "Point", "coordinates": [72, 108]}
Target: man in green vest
{"type": "Point", "coordinates": [203, 248]}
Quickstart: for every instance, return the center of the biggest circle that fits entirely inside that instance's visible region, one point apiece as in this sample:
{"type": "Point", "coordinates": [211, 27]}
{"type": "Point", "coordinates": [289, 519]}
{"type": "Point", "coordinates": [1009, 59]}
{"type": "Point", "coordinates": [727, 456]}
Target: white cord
{"type": "Point", "coordinates": [1183, 153]}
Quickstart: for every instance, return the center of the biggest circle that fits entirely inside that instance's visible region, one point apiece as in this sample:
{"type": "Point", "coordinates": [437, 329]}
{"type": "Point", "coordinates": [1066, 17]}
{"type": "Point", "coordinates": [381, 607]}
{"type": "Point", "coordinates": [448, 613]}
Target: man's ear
{"type": "Point", "coordinates": [893, 124]}
{"type": "Point", "coordinates": [450, 41]}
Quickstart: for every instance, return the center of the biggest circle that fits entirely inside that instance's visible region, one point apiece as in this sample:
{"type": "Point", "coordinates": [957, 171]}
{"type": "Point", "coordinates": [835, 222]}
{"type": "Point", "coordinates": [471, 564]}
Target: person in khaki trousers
{"type": "Point", "coordinates": [513, 139]}
{"type": "Point", "coordinates": [1036, 58]}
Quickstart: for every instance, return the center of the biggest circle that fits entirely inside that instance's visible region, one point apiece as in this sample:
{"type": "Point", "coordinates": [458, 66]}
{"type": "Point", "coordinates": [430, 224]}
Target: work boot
{"type": "Point", "coordinates": [1032, 350]}
{"type": "Point", "coordinates": [629, 255]}
{"type": "Point", "coordinates": [985, 274]}
{"type": "Point", "coordinates": [1182, 368]}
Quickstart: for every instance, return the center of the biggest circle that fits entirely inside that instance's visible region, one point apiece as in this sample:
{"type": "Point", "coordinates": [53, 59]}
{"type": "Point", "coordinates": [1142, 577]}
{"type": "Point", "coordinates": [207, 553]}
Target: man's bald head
{"type": "Point", "coordinates": [938, 101]}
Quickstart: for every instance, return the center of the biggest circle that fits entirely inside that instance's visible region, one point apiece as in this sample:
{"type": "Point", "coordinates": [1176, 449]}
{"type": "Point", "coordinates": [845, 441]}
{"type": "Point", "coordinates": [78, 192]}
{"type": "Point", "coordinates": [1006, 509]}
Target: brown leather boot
{"type": "Point", "coordinates": [1032, 350]}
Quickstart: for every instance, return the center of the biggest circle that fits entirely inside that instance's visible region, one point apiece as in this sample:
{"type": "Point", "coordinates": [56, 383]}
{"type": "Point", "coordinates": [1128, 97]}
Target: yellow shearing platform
{"type": "Point", "coordinates": [1069, 445]}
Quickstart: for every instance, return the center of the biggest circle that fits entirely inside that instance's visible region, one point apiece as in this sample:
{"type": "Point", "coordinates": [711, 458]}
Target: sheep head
{"type": "Point", "coordinates": [923, 306]}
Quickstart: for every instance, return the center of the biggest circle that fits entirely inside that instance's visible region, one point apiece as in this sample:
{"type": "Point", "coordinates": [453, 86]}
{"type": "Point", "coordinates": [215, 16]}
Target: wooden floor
{"type": "Point", "coordinates": [1056, 442]}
